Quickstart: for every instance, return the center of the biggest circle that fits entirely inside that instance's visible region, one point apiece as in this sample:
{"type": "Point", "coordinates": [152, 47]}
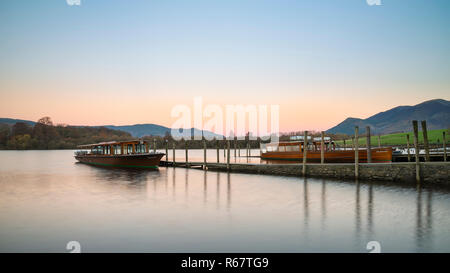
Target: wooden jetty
{"type": "Point", "coordinates": [428, 170]}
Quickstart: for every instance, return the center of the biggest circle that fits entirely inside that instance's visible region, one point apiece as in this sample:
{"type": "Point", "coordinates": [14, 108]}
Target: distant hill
{"type": "Point", "coordinates": [11, 121]}
{"type": "Point", "coordinates": [435, 112]}
{"type": "Point", "coordinates": [140, 130]}
{"type": "Point", "coordinates": [136, 130]}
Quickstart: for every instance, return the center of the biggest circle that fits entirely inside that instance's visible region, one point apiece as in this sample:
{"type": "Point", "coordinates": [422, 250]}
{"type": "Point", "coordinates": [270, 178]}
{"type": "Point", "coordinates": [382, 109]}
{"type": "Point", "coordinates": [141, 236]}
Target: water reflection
{"type": "Point", "coordinates": [323, 203]}
{"type": "Point", "coordinates": [370, 207]}
{"type": "Point", "coordinates": [305, 201]}
{"type": "Point", "coordinates": [173, 181]}
{"type": "Point", "coordinates": [357, 212]}
{"type": "Point", "coordinates": [186, 184]}
{"type": "Point", "coordinates": [212, 211]}
{"type": "Point", "coordinates": [205, 185]}
{"type": "Point", "coordinates": [228, 191]}
{"type": "Point", "coordinates": [424, 227]}
{"type": "Point", "coordinates": [119, 175]}
{"type": "Point", "coordinates": [136, 180]}
{"type": "Point", "coordinates": [218, 191]}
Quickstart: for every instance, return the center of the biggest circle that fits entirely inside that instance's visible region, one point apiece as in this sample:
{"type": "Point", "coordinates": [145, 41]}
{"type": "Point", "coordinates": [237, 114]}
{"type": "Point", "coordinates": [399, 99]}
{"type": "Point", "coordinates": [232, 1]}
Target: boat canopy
{"type": "Point", "coordinates": [87, 146]}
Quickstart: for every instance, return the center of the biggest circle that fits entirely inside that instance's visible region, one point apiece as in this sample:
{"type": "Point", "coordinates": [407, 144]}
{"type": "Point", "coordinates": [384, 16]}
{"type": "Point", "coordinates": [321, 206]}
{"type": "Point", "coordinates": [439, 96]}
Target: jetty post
{"type": "Point", "coordinates": [425, 140]}
{"type": "Point", "coordinates": [239, 150]}
{"type": "Point", "coordinates": [369, 151]}
{"type": "Point", "coordinates": [416, 147]}
{"type": "Point", "coordinates": [356, 152]}
{"type": "Point", "coordinates": [444, 146]}
{"type": "Point", "coordinates": [186, 150]}
{"type": "Point", "coordinates": [260, 149]}
{"type": "Point", "coordinates": [167, 150]}
{"type": "Point", "coordinates": [228, 155]}
{"type": "Point", "coordinates": [217, 147]}
{"type": "Point", "coordinates": [379, 141]}
{"type": "Point", "coordinates": [305, 149]}
{"type": "Point", "coordinates": [407, 147]}
{"type": "Point", "coordinates": [235, 146]}
{"type": "Point", "coordinates": [249, 149]}
{"type": "Point", "coordinates": [322, 146]}
{"type": "Point", "coordinates": [173, 150]}
{"type": "Point", "coordinates": [154, 145]}
{"type": "Point", "coordinates": [204, 154]}
{"type": "Point", "coordinates": [224, 148]}
{"type": "Point", "coordinates": [345, 146]}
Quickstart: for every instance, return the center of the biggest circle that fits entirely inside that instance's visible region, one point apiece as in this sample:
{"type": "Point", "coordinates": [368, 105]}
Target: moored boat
{"type": "Point", "coordinates": [293, 150]}
{"type": "Point", "coordinates": [132, 154]}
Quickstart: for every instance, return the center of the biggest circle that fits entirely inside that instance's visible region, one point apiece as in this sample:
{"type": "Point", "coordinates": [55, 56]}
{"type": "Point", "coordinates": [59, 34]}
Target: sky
{"type": "Point", "coordinates": [128, 62]}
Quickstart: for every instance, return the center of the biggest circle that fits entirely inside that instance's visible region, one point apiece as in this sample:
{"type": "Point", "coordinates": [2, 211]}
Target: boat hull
{"type": "Point", "coordinates": [339, 156]}
{"type": "Point", "coordinates": [126, 161]}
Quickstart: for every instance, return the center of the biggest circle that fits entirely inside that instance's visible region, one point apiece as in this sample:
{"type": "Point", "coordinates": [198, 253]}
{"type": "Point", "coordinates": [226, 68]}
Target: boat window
{"type": "Point", "coordinates": [292, 148]}
{"type": "Point", "coordinates": [117, 149]}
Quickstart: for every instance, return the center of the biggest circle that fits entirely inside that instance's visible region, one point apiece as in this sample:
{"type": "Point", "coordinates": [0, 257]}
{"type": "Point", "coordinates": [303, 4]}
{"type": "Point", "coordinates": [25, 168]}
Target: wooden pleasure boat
{"type": "Point", "coordinates": [293, 150]}
{"type": "Point", "coordinates": [134, 154]}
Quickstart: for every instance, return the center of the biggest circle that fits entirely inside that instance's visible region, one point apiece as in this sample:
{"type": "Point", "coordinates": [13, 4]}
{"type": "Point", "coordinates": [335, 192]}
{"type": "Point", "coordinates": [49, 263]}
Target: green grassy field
{"type": "Point", "coordinates": [434, 137]}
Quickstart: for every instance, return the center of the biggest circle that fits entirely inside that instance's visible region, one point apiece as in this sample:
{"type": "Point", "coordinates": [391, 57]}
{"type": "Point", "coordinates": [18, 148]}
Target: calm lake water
{"type": "Point", "coordinates": [47, 200]}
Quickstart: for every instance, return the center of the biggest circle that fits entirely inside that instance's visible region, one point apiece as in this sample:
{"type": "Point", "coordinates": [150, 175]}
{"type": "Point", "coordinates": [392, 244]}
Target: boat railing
{"type": "Point", "coordinates": [81, 152]}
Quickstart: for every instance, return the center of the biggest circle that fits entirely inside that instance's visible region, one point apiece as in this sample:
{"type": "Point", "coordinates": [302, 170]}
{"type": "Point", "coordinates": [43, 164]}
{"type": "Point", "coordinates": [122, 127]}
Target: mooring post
{"type": "Point", "coordinates": [173, 147]}
{"type": "Point", "coordinates": [379, 141]}
{"type": "Point", "coordinates": [416, 147]}
{"type": "Point", "coordinates": [249, 149]}
{"type": "Point", "coordinates": [218, 148]}
{"type": "Point", "coordinates": [407, 147]}
{"type": "Point", "coordinates": [235, 147]}
{"type": "Point", "coordinates": [154, 145]}
{"type": "Point", "coordinates": [239, 150]}
{"type": "Point", "coordinates": [369, 151]}
{"type": "Point", "coordinates": [425, 140]}
{"type": "Point", "coordinates": [167, 150]}
{"type": "Point", "coordinates": [204, 154]}
{"type": "Point", "coordinates": [444, 146]}
{"type": "Point", "coordinates": [322, 147]}
{"type": "Point", "coordinates": [356, 152]}
{"type": "Point", "coordinates": [186, 148]}
{"type": "Point", "coordinates": [305, 149]}
{"type": "Point", "coordinates": [345, 147]}
{"type": "Point", "coordinates": [224, 148]}
{"type": "Point", "coordinates": [228, 155]}
{"type": "Point", "coordinates": [260, 149]}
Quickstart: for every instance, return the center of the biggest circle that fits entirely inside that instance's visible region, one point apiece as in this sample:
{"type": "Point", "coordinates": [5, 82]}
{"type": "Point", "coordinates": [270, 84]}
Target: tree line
{"type": "Point", "coordinates": [44, 135]}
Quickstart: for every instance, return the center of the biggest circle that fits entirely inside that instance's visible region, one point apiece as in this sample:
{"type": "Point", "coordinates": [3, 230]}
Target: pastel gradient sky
{"type": "Point", "coordinates": [127, 62]}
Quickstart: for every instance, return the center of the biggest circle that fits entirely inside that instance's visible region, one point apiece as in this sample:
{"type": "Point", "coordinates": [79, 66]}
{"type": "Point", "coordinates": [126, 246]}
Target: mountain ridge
{"type": "Point", "coordinates": [398, 119]}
